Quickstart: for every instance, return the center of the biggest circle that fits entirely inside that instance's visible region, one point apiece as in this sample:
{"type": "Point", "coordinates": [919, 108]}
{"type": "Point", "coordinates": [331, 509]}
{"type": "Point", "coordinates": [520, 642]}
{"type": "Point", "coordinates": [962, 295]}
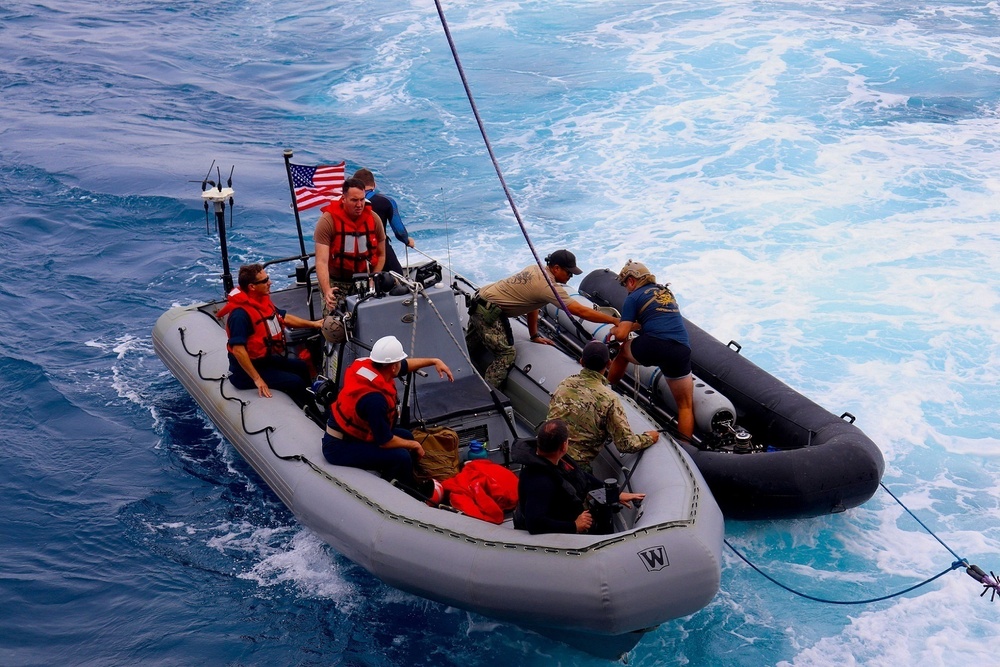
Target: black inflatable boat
{"type": "Point", "coordinates": [780, 455]}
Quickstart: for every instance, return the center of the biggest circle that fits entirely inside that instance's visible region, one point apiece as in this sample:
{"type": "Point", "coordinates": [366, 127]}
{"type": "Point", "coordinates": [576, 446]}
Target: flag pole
{"type": "Point", "coordinates": [295, 207]}
{"type": "Point", "coordinates": [302, 272]}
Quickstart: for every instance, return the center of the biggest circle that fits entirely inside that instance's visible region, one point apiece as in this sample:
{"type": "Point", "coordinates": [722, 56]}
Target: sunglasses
{"type": "Point", "coordinates": [262, 281]}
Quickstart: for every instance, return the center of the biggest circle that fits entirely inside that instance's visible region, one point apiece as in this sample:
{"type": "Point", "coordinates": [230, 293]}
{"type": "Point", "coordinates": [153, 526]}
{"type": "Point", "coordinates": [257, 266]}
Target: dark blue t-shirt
{"type": "Point", "coordinates": [661, 319]}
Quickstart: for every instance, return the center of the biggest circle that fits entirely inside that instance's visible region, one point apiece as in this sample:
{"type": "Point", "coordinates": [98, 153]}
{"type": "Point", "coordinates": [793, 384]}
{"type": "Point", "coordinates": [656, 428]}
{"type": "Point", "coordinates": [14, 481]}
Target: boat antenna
{"type": "Point", "coordinates": [232, 202]}
{"type": "Point", "coordinates": [204, 186]}
{"type": "Point", "coordinates": [496, 163]}
{"type": "Point", "coordinates": [212, 191]}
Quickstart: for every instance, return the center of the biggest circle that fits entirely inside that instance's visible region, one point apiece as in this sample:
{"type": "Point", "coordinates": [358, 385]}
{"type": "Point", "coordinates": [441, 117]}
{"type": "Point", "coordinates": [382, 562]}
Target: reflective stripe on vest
{"type": "Point", "coordinates": [353, 244]}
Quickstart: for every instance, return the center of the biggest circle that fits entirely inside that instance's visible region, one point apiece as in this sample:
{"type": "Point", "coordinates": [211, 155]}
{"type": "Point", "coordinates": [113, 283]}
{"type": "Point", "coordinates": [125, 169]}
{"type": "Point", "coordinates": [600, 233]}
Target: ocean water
{"type": "Point", "coordinates": [817, 180]}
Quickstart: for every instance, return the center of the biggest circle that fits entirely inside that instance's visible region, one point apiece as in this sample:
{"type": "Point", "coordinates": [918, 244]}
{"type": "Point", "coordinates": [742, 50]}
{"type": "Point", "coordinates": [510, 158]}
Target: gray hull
{"type": "Point", "coordinates": [599, 593]}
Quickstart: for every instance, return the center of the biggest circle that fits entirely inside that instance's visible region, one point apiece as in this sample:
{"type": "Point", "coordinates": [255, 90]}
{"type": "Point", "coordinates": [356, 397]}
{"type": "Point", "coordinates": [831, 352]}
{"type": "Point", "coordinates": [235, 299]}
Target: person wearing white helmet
{"type": "Point", "coordinates": [662, 341]}
{"type": "Point", "coordinates": [361, 431]}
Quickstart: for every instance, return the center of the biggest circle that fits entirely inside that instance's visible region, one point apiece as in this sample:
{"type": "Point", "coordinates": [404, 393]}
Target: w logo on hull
{"type": "Point", "coordinates": [655, 559]}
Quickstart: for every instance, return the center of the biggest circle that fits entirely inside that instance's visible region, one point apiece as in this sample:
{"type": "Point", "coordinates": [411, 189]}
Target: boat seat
{"type": "Point", "coordinates": [436, 402]}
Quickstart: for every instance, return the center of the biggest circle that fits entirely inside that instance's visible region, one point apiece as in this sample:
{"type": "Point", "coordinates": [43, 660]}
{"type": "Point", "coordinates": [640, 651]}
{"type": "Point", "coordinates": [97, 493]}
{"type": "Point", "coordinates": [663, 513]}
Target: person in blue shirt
{"type": "Point", "coordinates": [387, 210]}
{"type": "Point", "coordinates": [652, 310]}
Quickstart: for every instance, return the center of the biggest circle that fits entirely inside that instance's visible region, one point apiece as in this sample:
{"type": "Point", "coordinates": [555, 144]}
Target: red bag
{"type": "Point", "coordinates": [483, 490]}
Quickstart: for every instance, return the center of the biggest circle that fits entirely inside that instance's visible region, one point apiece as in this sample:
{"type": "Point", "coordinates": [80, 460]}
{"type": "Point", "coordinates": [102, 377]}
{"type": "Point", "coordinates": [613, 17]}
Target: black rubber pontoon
{"type": "Point", "coordinates": [806, 462]}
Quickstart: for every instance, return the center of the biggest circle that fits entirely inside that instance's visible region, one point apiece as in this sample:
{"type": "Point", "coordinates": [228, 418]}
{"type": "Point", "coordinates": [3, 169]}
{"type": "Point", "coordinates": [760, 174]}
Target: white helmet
{"type": "Point", "coordinates": [387, 350]}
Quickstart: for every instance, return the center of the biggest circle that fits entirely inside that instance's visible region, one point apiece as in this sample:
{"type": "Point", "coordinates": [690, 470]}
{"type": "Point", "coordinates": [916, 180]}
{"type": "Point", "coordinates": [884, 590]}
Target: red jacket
{"type": "Point", "coordinates": [360, 380]}
{"type": "Point", "coordinates": [268, 335]}
{"type": "Point", "coordinates": [354, 244]}
{"type": "Point", "coordinates": [483, 490]}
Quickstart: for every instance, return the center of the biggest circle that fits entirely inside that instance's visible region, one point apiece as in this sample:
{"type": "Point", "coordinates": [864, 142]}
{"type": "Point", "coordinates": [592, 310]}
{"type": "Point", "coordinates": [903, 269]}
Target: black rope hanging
{"type": "Point", "coordinates": [493, 157]}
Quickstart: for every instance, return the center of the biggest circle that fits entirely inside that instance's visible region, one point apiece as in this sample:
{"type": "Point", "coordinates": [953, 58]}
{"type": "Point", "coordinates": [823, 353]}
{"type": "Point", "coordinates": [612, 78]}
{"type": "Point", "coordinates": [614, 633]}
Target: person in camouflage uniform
{"type": "Point", "coordinates": [592, 410]}
{"type": "Point", "coordinates": [523, 293]}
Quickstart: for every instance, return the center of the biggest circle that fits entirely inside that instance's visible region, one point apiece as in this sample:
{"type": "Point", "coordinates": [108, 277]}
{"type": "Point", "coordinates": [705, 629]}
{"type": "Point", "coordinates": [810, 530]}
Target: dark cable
{"type": "Point", "coordinates": [493, 158]}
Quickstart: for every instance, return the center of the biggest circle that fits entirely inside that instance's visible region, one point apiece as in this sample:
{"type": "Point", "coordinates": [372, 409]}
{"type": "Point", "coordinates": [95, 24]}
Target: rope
{"type": "Point", "coordinates": [419, 291]}
{"type": "Point", "coordinates": [493, 157]}
{"type": "Point", "coordinates": [924, 526]}
{"type": "Point", "coordinates": [267, 430]}
{"type": "Point", "coordinates": [990, 583]}
{"type": "Point", "coordinates": [954, 566]}
{"type": "Point", "coordinates": [413, 328]}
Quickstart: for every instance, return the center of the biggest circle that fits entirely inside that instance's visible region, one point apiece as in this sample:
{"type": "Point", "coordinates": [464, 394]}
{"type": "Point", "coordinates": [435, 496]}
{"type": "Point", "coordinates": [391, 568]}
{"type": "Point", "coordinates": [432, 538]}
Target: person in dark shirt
{"type": "Point", "coordinates": [662, 339]}
{"type": "Point", "coordinates": [387, 210]}
{"type": "Point", "coordinates": [256, 330]}
{"type": "Point", "coordinates": [552, 489]}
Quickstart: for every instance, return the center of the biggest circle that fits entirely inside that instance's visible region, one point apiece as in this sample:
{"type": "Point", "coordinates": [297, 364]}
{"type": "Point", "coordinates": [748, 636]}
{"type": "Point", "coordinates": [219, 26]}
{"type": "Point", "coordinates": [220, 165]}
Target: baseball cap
{"type": "Point", "coordinates": [566, 260]}
{"type": "Point", "coordinates": [595, 355]}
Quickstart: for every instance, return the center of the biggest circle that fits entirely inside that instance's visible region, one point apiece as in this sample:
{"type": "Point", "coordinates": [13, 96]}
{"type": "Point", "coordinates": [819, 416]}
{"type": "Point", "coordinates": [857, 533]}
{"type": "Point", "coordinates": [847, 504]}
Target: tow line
{"type": "Point", "coordinates": [989, 582]}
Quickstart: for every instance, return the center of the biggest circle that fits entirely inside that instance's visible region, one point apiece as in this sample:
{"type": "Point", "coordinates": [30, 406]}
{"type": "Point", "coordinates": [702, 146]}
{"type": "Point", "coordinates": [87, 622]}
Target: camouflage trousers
{"type": "Point", "coordinates": [488, 326]}
{"type": "Point", "coordinates": [343, 288]}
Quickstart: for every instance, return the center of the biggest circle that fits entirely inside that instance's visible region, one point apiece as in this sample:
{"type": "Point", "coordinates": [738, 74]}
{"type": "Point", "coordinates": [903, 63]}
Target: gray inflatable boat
{"type": "Point", "coordinates": [598, 593]}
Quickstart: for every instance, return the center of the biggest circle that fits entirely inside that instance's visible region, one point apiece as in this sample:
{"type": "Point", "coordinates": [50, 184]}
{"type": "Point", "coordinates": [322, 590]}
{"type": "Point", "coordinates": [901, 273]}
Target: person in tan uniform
{"type": "Point", "coordinates": [523, 293]}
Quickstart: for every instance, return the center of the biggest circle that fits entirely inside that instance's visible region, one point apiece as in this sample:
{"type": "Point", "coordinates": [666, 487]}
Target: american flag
{"type": "Point", "coordinates": [316, 186]}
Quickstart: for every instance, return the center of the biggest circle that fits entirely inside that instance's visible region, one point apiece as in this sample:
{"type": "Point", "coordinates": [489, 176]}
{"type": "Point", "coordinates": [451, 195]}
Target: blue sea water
{"type": "Point", "coordinates": [816, 179]}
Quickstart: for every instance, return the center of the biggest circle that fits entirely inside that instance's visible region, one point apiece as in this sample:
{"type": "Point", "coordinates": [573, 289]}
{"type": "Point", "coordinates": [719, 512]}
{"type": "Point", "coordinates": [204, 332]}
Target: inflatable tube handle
{"type": "Point", "coordinates": [848, 417]}
{"type": "Point", "coordinates": [735, 346]}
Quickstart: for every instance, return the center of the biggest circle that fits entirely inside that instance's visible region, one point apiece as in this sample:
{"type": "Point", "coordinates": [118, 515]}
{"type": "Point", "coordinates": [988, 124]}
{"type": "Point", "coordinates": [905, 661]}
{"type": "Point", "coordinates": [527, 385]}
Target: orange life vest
{"type": "Point", "coordinates": [268, 335]}
{"type": "Point", "coordinates": [353, 244]}
{"type": "Point", "coordinates": [360, 380]}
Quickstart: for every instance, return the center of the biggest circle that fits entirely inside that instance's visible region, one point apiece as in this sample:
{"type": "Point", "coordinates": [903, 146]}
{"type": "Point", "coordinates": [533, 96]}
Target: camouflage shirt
{"type": "Point", "coordinates": [594, 414]}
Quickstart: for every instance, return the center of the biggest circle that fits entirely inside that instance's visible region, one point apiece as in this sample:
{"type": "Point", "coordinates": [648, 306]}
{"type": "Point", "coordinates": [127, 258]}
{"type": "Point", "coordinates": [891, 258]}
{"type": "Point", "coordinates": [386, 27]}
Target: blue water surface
{"type": "Point", "coordinates": [817, 180]}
